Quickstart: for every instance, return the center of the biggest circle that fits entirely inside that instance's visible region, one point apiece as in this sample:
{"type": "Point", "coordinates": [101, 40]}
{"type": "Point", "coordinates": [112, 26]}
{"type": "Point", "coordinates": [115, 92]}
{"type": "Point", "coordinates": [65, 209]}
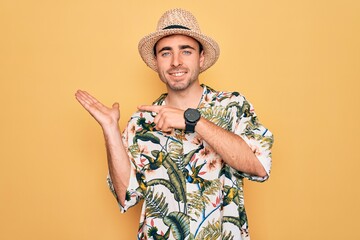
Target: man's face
{"type": "Point", "coordinates": [178, 61]}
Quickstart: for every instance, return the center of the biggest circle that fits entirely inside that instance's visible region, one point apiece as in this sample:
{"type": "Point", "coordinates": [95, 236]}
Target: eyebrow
{"type": "Point", "coordinates": [181, 47]}
{"type": "Point", "coordinates": [186, 46]}
{"type": "Point", "coordinates": [165, 49]}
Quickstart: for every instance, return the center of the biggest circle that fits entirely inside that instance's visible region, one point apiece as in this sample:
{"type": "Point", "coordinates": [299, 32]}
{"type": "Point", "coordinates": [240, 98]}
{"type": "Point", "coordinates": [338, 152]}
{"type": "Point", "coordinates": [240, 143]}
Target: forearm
{"type": "Point", "coordinates": [118, 161]}
{"type": "Point", "coordinates": [231, 147]}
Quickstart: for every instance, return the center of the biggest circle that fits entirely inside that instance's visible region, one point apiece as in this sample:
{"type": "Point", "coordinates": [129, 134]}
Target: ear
{"type": "Point", "coordinates": [201, 58]}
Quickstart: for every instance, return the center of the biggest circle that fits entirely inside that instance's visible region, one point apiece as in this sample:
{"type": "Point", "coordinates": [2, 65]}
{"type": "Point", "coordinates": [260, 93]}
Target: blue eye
{"type": "Point", "coordinates": [164, 54]}
{"type": "Point", "coordinates": [187, 52]}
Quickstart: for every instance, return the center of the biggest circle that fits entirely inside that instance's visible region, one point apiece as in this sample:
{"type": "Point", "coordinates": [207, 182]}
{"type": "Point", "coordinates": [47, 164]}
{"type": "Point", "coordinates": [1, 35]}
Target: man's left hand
{"type": "Point", "coordinates": [167, 118]}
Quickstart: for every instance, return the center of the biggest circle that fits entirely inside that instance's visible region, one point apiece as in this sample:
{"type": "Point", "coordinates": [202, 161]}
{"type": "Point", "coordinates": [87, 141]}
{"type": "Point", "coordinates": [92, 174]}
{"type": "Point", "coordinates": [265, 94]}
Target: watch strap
{"type": "Point", "coordinates": [189, 127]}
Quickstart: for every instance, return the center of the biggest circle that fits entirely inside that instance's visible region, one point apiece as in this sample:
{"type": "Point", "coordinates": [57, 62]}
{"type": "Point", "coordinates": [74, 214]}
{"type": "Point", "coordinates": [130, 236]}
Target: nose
{"type": "Point", "coordinates": [176, 60]}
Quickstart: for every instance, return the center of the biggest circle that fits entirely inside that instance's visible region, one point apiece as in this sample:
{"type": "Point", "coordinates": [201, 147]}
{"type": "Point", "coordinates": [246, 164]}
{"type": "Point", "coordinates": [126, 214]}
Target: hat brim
{"type": "Point", "coordinates": [147, 43]}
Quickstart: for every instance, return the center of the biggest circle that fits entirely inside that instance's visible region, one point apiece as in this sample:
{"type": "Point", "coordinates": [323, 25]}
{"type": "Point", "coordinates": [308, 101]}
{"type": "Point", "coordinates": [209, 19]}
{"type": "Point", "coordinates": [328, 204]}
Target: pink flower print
{"type": "Point", "coordinates": [255, 150]}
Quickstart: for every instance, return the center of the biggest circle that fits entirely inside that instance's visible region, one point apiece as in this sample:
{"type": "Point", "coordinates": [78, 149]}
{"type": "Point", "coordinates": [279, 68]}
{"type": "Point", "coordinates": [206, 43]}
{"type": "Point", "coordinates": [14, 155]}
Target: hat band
{"type": "Point", "coordinates": [175, 26]}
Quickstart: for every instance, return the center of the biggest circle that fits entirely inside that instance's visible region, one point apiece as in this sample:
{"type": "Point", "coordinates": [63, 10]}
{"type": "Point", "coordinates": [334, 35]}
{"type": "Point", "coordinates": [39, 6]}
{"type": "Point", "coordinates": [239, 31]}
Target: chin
{"type": "Point", "coordinates": [177, 85]}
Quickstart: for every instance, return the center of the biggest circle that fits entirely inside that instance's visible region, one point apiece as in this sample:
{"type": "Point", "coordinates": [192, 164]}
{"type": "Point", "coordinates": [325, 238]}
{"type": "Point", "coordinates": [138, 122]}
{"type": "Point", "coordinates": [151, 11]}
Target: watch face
{"type": "Point", "coordinates": [192, 115]}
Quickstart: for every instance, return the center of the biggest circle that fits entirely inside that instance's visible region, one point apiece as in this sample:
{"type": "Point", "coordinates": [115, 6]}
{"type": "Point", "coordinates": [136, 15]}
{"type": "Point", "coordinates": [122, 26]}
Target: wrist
{"type": "Point", "coordinates": [109, 129]}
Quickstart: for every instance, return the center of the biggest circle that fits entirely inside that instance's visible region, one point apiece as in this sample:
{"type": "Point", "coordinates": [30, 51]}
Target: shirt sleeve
{"type": "Point", "coordinates": [133, 192]}
{"type": "Point", "coordinates": [259, 138]}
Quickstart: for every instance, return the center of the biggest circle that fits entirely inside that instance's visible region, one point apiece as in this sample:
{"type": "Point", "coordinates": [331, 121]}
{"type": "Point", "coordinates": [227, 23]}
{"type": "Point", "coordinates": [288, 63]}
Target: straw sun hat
{"type": "Point", "coordinates": [178, 21]}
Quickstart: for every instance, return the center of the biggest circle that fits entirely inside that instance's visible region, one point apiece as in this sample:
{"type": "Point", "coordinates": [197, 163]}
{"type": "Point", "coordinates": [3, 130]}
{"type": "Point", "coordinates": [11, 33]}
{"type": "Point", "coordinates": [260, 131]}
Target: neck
{"type": "Point", "coordinates": [188, 98]}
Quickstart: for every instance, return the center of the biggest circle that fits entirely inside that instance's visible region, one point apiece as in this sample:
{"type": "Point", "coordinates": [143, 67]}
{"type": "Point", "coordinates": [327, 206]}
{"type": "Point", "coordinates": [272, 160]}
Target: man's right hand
{"type": "Point", "coordinates": [118, 159]}
{"type": "Point", "coordinates": [105, 116]}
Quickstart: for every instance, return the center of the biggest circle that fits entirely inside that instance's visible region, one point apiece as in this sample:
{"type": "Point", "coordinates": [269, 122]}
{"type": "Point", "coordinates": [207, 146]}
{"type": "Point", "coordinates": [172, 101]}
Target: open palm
{"type": "Point", "coordinates": [103, 115]}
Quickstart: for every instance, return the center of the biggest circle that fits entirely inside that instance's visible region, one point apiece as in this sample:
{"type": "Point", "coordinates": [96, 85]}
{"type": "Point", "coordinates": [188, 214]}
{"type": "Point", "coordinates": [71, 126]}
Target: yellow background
{"type": "Point", "coordinates": [298, 62]}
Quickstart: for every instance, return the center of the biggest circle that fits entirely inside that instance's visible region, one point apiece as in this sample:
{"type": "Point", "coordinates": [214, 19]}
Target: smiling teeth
{"type": "Point", "coordinates": [178, 74]}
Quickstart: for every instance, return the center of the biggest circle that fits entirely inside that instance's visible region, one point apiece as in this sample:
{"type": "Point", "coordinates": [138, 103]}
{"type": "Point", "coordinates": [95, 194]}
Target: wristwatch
{"type": "Point", "coordinates": [192, 116]}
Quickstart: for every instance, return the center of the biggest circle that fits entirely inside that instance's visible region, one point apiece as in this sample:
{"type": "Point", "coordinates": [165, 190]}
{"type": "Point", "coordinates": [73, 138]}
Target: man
{"type": "Point", "coordinates": [187, 154]}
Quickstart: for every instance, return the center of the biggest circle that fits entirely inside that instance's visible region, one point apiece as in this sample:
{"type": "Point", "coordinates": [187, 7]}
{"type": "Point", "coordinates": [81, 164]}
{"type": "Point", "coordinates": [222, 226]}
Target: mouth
{"type": "Point", "coordinates": [179, 73]}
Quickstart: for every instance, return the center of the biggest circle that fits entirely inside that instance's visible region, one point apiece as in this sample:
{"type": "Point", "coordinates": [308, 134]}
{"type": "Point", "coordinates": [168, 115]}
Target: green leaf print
{"type": "Point", "coordinates": [213, 188]}
{"type": "Point", "coordinates": [190, 154]}
{"type": "Point", "coordinates": [146, 137]}
{"type": "Point", "coordinates": [146, 126]}
{"type": "Point", "coordinates": [196, 203]}
{"type": "Point", "coordinates": [153, 233]}
{"type": "Point", "coordinates": [156, 205]}
{"type": "Point", "coordinates": [134, 150]}
{"type": "Point", "coordinates": [197, 200]}
{"type": "Point", "coordinates": [265, 141]}
{"type": "Point", "coordinates": [167, 184]}
{"type": "Point", "coordinates": [233, 220]}
{"type": "Point", "coordinates": [227, 236]}
{"type": "Point", "coordinates": [226, 171]}
{"type": "Point", "coordinates": [243, 216]}
{"type": "Point", "coordinates": [191, 237]}
{"type": "Point", "coordinates": [179, 223]}
{"type": "Point", "coordinates": [219, 116]}
{"type": "Point", "coordinates": [211, 231]}
{"type": "Point", "coordinates": [244, 110]}
{"type": "Point", "coordinates": [176, 177]}
{"type": "Point", "coordinates": [175, 150]}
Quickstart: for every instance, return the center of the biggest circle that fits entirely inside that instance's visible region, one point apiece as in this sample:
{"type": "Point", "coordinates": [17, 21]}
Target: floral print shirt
{"type": "Point", "coordinates": [188, 190]}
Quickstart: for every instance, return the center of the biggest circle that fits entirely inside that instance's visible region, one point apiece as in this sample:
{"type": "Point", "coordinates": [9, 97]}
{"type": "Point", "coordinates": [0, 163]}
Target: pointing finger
{"type": "Point", "coordinates": [150, 108]}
